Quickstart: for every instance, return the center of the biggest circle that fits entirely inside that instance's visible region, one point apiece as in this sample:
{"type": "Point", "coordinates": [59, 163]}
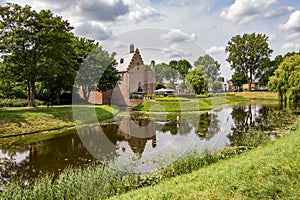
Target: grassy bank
{"type": "Point", "coordinates": [16, 121]}
{"type": "Point", "coordinates": [269, 172]}
{"type": "Point", "coordinates": [271, 96]}
{"type": "Point", "coordinates": [196, 104]}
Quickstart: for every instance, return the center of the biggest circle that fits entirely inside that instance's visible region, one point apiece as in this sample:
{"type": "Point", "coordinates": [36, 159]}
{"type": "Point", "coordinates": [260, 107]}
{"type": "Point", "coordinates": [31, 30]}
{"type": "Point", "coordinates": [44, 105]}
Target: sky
{"type": "Point", "coordinates": [164, 30]}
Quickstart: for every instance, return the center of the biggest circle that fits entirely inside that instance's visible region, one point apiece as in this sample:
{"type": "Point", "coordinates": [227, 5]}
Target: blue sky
{"type": "Point", "coordinates": [176, 29]}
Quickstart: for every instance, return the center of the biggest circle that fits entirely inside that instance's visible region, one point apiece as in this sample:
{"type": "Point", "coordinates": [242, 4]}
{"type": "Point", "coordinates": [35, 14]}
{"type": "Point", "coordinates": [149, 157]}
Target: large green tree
{"type": "Point", "coordinates": [286, 79]}
{"type": "Point", "coordinates": [211, 67]}
{"type": "Point", "coordinates": [181, 66]}
{"type": "Point", "coordinates": [267, 70]}
{"type": "Point", "coordinates": [247, 53]}
{"type": "Point", "coordinates": [36, 46]}
{"type": "Point", "coordinates": [196, 81]}
{"type": "Point", "coordinates": [163, 72]}
{"type": "Point", "coordinates": [97, 72]}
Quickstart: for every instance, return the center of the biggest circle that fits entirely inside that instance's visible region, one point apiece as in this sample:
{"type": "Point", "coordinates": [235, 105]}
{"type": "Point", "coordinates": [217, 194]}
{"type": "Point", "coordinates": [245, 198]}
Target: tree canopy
{"type": "Point", "coordinates": [286, 79]}
{"type": "Point", "coordinates": [196, 81]}
{"type": "Point", "coordinates": [36, 46]}
{"type": "Point", "coordinates": [247, 53]}
{"type": "Point", "coordinates": [210, 66]}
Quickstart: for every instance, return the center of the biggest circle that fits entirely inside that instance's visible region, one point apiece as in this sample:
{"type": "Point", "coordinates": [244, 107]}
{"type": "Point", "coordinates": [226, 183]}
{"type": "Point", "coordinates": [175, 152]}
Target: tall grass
{"type": "Point", "coordinates": [103, 181]}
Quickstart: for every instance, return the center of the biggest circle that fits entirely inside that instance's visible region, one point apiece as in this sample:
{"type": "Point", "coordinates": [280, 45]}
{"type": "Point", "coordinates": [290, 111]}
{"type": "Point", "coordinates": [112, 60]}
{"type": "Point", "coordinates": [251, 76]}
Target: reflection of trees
{"type": "Point", "coordinates": [181, 127]}
{"type": "Point", "coordinates": [49, 156]}
{"type": "Point", "coordinates": [268, 118]}
{"type": "Point", "coordinates": [207, 125]}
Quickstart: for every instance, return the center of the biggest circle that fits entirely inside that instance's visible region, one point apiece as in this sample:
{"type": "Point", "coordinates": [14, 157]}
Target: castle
{"type": "Point", "coordinates": [136, 79]}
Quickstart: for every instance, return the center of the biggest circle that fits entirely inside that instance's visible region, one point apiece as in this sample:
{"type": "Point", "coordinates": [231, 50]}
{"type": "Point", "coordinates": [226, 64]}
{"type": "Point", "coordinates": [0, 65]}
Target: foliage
{"type": "Point", "coordinates": [267, 70]}
{"type": "Point", "coordinates": [238, 79]}
{"type": "Point", "coordinates": [247, 53]}
{"type": "Point", "coordinates": [217, 86]}
{"type": "Point", "coordinates": [97, 72]}
{"type": "Point", "coordinates": [181, 66]}
{"type": "Point", "coordinates": [211, 66]}
{"type": "Point", "coordinates": [286, 79]}
{"type": "Point", "coordinates": [36, 46]}
{"type": "Point", "coordinates": [196, 81]}
{"type": "Point", "coordinates": [163, 72]}
{"type": "Point", "coordinates": [17, 102]}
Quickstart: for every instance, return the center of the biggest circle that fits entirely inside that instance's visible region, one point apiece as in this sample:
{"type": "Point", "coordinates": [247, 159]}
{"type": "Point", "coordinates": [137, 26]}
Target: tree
{"type": "Point", "coordinates": [238, 79]}
{"type": "Point", "coordinates": [163, 72]}
{"type": "Point", "coordinates": [267, 69]}
{"type": "Point", "coordinates": [181, 66]}
{"type": "Point", "coordinates": [247, 53]}
{"type": "Point", "coordinates": [211, 66]}
{"type": "Point", "coordinates": [286, 79]}
{"type": "Point", "coordinates": [36, 46]}
{"type": "Point", "coordinates": [196, 81]}
{"type": "Point", "coordinates": [97, 72]}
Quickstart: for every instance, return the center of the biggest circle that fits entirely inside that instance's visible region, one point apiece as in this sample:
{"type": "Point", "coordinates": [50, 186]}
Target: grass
{"type": "Point", "coordinates": [258, 95]}
{"type": "Point", "coordinates": [269, 172]}
{"type": "Point", "coordinates": [178, 105]}
{"type": "Point", "coordinates": [18, 121]}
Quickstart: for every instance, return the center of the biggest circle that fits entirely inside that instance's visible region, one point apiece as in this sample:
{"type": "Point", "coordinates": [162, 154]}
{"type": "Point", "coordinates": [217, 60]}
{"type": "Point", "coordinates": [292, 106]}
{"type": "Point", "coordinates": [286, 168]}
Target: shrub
{"type": "Point", "coordinates": [17, 102]}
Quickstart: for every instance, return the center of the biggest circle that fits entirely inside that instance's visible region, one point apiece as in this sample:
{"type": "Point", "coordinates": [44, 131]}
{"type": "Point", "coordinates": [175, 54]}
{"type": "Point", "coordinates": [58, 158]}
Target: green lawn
{"type": "Point", "coordinates": [258, 95]}
{"type": "Point", "coordinates": [271, 171]}
{"type": "Point", "coordinates": [14, 121]}
{"type": "Point", "coordinates": [177, 105]}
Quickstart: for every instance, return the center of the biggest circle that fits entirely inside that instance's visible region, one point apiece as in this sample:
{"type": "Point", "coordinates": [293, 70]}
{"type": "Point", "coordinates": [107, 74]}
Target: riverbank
{"type": "Point", "coordinates": [23, 121]}
{"type": "Point", "coordinates": [271, 171]}
{"type": "Point", "coordinates": [194, 104]}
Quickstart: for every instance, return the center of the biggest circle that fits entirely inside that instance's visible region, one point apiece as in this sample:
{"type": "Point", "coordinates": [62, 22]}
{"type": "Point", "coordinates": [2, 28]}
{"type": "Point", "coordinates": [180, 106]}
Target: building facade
{"type": "Point", "coordinates": [136, 79]}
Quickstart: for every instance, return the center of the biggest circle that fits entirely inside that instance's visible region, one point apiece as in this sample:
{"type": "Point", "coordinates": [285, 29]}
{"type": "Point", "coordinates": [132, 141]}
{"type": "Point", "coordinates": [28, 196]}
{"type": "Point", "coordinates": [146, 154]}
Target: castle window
{"type": "Point", "coordinates": [138, 68]}
{"type": "Point", "coordinates": [121, 60]}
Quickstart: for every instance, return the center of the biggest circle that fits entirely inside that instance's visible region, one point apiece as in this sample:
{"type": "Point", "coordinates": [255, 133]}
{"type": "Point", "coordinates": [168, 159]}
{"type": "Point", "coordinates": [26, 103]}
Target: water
{"type": "Point", "coordinates": [151, 143]}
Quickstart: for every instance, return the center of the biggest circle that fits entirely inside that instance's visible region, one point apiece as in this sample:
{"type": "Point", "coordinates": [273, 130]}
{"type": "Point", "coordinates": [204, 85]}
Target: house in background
{"type": "Point", "coordinates": [136, 80]}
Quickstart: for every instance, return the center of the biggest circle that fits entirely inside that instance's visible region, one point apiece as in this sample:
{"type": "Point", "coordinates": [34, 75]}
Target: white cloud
{"type": "Point", "coordinates": [139, 14]}
{"type": "Point", "coordinates": [293, 22]}
{"type": "Point", "coordinates": [176, 51]}
{"type": "Point", "coordinates": [279, 12]}
{"type": "Point", "coordinates": [93, 29]}
{"type": "Point", "coordinates": [245, 11]}
{"type": "Point", "coordinates": [176, 35]}
{"type": "Point", "coordinates": [291, 46]}
{"type": "Point", "coordinates": [215, 49]}
{"type": "Point", "coordinates": [293, 36]}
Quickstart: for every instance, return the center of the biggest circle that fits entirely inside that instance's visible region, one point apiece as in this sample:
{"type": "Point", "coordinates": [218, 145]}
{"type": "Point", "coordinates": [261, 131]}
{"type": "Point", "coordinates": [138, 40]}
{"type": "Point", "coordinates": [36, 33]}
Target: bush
{"type": "Point", "coordinates": [17, 102]}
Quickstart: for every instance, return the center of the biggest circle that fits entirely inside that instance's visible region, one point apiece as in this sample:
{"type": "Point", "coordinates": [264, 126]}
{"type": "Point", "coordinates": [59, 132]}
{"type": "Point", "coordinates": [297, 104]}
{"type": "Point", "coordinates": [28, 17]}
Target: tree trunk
{"type": "Point", "coordinates": [28, 93]}
{"type": "Point", "coordinates": [31, 102]}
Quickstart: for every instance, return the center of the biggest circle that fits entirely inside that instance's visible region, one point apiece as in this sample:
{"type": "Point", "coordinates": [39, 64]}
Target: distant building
{"type": "Point", "coordinates": [254, 86]}
{"type": "Point", "coordinates": [136, 80]}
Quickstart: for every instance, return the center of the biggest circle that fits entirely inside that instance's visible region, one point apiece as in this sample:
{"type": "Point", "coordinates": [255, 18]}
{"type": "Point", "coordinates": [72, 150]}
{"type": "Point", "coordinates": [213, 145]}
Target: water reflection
{"type": "Point", "coordinates": [150, 141]}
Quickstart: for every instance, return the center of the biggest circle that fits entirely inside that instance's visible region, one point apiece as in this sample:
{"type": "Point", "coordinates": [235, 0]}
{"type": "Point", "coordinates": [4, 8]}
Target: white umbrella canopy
{"type": "Point", "coordinates": [165, 90]}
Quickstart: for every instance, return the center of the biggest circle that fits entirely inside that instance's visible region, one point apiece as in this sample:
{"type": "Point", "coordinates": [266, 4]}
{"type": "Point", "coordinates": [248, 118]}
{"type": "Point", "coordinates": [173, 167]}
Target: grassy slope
{"type": "Point", "coordinates": [269, 172]}
{"type": "Point", "coordinates": [182, 106]}
{"type": "Point", "coordinates": [258, 95]}
{"type": "Point", "coordinates": [14, 121]}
